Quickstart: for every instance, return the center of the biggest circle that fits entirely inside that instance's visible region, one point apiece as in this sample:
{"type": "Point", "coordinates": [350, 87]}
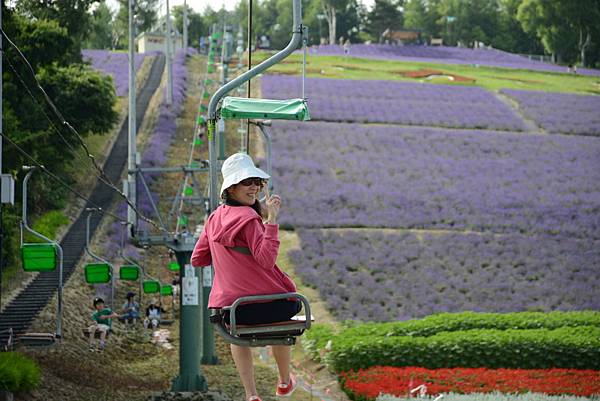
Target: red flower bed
{"type": "Point", "coordinates": [369, 383]}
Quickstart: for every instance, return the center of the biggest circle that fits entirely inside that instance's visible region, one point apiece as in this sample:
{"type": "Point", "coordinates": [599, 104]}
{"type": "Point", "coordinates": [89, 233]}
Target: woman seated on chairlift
{"type": "Point", "coordinates": [243, 250]}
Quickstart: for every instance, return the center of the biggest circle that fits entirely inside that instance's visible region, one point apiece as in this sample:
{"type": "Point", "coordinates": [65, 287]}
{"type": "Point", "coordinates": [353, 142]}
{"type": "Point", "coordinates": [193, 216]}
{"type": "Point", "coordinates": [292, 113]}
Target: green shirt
{"type": "Point", "coordinates": [98, 316]}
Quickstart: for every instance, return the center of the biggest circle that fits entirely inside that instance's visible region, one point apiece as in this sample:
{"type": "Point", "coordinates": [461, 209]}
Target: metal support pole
{"type": "Point", "coordinates": [132, 151]}
{"type": "Point", "coordinates": [168, 56]}
{"type": "Point", "coordinates": [185, 25]}
{"type": "Point", "coordinates": [190, 374]}
{"type": "Point", "coordinates": [208, 337]}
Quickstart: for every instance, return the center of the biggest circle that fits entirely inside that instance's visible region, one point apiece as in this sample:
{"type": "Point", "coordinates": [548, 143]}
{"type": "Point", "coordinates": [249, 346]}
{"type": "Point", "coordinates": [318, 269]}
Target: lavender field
{"type": "Point", "coordinates": [115, 64]}
{"type": "Point", "coordinates": [445, 55]}
{"type": "Point", "coordinates": [560, 112]}
{"type": "Point", "coordinates": [351, 175]}
{"type": "Point", "coordinates": [397, 103]}
{"type": "Point", "coordinates": [384, 275]}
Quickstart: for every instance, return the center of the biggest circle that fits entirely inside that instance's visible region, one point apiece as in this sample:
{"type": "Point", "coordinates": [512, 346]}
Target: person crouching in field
{"type": "Point", "coordinates": [102, 323]}
{"type": "Point", "coordinates": [243, 251]}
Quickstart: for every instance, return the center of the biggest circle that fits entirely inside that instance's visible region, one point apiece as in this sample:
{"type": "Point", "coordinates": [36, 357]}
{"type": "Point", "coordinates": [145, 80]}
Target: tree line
{"type": "Point", "coordinates": [567, 30]}
{"type": "Point", "coordinates": [49, 34]}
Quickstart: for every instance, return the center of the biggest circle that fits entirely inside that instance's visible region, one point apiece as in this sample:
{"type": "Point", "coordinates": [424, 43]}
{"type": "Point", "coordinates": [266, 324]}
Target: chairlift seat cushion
{"type": "Point", "coordinates": [129, 273]}
{"type": "Point", "coordinates": [166, 290]}
{"type": "Point", "coordinates": [38, 257]}
{"type": "Point", "coordinates": [97, 273]}
{"type": "Point", "coordinates": [241, 107]}
{"type": "Point", "coordinates": [151, 287]}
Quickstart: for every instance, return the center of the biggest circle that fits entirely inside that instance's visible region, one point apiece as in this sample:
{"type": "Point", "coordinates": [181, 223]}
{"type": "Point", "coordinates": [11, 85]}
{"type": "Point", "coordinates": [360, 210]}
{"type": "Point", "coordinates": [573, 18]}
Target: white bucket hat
{"type": "Point", "coordinates": [238, 167]}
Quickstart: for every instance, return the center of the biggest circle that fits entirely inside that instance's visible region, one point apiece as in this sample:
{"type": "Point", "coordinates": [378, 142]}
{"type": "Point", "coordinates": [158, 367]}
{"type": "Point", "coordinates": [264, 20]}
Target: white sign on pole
{"type": "Point", "coordinates": [189, 287]}
{"type": "Point", "coordinates": [190, 291]}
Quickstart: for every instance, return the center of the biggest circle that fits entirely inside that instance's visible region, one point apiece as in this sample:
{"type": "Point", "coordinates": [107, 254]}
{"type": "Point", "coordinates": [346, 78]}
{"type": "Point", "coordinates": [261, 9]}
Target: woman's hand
{"type": "Point", "coordinates": [273, 205]}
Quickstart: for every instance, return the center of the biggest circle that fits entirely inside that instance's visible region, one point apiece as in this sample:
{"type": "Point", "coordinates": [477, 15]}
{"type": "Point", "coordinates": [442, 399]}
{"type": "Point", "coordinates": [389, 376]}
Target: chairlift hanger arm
{"type": "Point", "coordinates": [295, 41]}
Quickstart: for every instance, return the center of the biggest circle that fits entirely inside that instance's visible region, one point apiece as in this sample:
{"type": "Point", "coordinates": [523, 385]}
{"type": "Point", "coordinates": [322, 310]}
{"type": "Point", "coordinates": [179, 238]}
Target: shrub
{"type": "Point", "coordinates": [437, 323]}
{"type": "Point", "coordinates": [566, 347]}
{"type": "Point", "coordinates": [17, 372]}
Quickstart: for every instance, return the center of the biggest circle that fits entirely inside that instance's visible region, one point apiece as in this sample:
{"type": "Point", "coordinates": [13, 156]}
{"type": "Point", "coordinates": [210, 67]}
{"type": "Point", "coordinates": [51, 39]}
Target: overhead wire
{"type": "Point", "coordinates": [73, 151]}
{"type": "Point", "coordinates": [57, 178]}
{"type": "Point", "coordinates": [100, 172]}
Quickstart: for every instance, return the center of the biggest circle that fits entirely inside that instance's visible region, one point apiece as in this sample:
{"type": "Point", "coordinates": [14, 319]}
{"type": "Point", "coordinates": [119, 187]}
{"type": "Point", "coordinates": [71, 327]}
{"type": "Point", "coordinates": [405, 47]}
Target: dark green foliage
{"type": "Point", "coordinates": [566, 347]}
{"type": "Point", "coordinates": [465, 339]}
{"type": "Point", "coordinates": [195, 24]}
{"type": "Point", "coordinates": [385, 14]}
{"type": "Point", "coordinates": [437, 323]}
{"type": "Point", "coordinates": [84, 97]}
{"type": "Point", "coordinates": [17, 372]}
{"type": "Point", "coordinates": [101, 26]}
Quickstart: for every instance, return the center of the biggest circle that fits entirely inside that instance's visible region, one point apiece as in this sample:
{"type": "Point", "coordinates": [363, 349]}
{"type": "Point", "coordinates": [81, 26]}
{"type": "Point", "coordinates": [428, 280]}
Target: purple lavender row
{"type": "Point", "coordinates": [350, 175]}
{"type": "Point", "coordinates": [156, 150]}
{"type": "Point", "coordinates": [445, 55]}
{"type": "Point", "coordinates": [115, 64]}
{"type": "Point", "coordinates": [397, 102]}
{"type": "Point", "coordinates": [560, 112]}
{"type": "Point", "coordinates": [385, 276]}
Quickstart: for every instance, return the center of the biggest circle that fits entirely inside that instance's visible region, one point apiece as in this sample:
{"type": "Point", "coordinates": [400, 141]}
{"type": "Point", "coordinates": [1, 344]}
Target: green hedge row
{"type": "Point", "coordinates": [437, 323]}
{"type": "Point", "coordinates": [17, 372]}
{"type": "Point", "coordinates": [319, 335]}
{"type": "Point", "coordinates": [566, 347]}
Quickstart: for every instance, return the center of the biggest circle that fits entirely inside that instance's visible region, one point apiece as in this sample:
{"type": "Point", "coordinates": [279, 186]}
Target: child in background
{"type": "Point", "coordinates": [102, 323]}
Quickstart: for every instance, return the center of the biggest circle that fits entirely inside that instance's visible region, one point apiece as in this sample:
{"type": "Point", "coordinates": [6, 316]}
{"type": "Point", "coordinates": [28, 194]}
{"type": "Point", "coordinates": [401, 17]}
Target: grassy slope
{"type": "Point", "coordinates": [485, 77]}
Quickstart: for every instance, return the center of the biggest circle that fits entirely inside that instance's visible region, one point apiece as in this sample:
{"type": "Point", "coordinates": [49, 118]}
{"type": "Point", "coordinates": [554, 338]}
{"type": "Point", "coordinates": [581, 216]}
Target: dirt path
{"type": "Point", "coordinates": [531, 125]}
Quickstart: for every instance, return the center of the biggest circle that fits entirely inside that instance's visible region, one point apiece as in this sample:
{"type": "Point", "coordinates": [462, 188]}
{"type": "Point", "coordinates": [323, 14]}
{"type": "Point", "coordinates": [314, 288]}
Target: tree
{"type": "Point", "coordinates": [101, 29]}
{"type": "Point", "coordinates": [510, 35]}
{"type": "Point", "coordinates": [468, 21]}
{"type": "Point", "coordinates": [348, 20]}
{"type": "Point", "coordinates": [386, 14]}
{"type": "Point", "coordinates": [145, 14]}
{"type": "Point", "coordinates": [330, 9]}
{"type": "Point", "coordinates": [73, 15]}
{"type": "Point", "coordinates": [84, 97]}
{"type": "Point", "coordinates": [195, 25]}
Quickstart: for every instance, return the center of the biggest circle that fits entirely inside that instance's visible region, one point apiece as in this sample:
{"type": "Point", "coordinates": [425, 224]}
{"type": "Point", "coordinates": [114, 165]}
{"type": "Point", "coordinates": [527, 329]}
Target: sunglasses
{"type": "Point", "coordinates": [259, 182]}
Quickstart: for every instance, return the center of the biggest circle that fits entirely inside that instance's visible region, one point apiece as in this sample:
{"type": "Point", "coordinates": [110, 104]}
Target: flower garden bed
{"type": "Point", "coordinates": [560, 113]}
{"type": "Point", "coordinates": [397, 103]}
{"type": "Point", "coordinates": [367, 384]}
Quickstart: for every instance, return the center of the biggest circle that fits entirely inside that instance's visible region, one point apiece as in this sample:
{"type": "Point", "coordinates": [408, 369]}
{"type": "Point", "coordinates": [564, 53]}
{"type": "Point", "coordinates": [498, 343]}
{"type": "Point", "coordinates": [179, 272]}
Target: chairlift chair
{"type": "Point", "coordinates": [284, 333]}
{"type": "Point", "coordinates": [100, 271]}
{"type": "Point", "coordinates": [40, 257]}
{"type": "Point", "coordinates": [279, 333]}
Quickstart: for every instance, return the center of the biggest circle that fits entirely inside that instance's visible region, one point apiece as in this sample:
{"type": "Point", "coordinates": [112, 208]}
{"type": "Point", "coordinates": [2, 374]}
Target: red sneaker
{"type": "Point", "coordinates": [286, 390]}
{"type": "Point", "coordinates": [254, 398]}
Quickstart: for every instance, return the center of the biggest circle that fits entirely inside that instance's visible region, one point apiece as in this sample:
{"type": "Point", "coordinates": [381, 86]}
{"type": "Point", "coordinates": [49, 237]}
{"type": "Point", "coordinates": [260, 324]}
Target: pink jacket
{"type": "Point", "coordinates": [238, 274]}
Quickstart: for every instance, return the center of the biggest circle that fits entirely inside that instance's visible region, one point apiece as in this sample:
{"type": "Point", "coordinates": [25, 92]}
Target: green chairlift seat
{"type": "Point", "coordinates": [97, 273]}
{"type": "Point", "coordinates": [166, 290]}
{"type": "Point", "coordinates": [253, 108]}
{"type": "Point", "coordinates": [38, 257]}
{"type": "Point", "coordinates": [129, 273]}
{"type": "Point", "coordinates": [151, 287]}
